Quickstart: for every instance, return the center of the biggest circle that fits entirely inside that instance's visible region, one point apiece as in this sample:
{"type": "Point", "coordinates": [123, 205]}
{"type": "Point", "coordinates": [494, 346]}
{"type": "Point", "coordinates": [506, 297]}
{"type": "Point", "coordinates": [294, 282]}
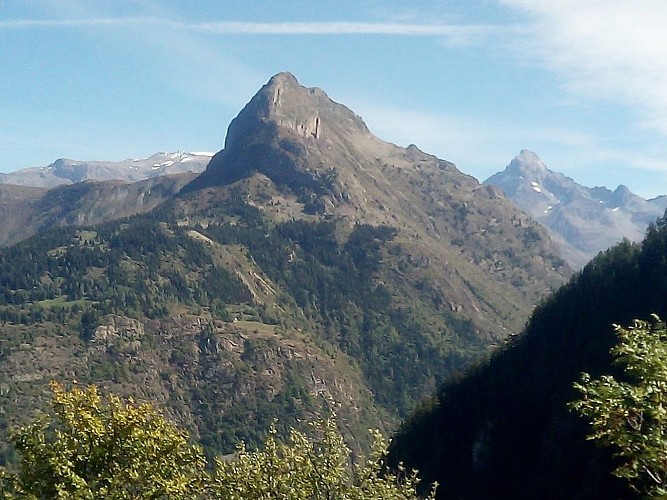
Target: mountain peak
{"type": "Point", "coordinates": [527, 153]}
{"type": "Point", "coordinates": [283, 79]}
{"type": "Point", "coordinates": [525, 174]}
{"type": "Point", "coordinates": [528, 161]}
{"type": "Point", "coordinates": [290, 109]}
{"type": "Point", "coordinates": [585, 220]}
{"type": "Point", "coordinates": [622, 190]}
{"type": "Point", "coordinates": [283, 133]}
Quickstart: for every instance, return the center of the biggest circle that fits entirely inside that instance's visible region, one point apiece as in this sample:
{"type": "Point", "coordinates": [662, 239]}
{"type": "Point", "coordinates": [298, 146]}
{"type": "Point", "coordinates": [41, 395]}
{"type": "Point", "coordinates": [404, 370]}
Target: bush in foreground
{"type": "Point", "coordinates": [91, 447]}
{"type": "Point", "coordinates": [629, 413]}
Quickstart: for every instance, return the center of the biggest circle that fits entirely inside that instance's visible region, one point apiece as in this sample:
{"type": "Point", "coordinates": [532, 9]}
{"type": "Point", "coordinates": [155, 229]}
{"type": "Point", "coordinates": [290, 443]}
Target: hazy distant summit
{"type": "Point", "coordinates": [582, 220]}
{"type": "Point", "coordinates": [65, 171]}
{"type": "Point", "coordinates": [35, 199]}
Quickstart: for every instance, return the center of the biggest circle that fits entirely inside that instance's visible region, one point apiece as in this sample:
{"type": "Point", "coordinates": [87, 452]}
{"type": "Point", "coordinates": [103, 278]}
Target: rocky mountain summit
{"type": "Point", "coordinates": [305, 142]}
{"type": "Point", "coordinates": [299, 155]}
{"type": "Point", "coordinates": [582, 220]}
{"type": "Point", "coordinates": [64, 171]}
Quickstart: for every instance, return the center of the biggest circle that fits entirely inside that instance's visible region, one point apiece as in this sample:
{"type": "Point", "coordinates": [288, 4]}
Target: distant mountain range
{"type": "Point", "coordinates": [27, 210]}
{"type": "Point", "coordinates": [582, 220]}
{"type": "Point", "coordinates": [311, 261]}
{"type": "Point", "coordinates": [75, 192]}
{"type": "Point", "coordinates": [64, 171]}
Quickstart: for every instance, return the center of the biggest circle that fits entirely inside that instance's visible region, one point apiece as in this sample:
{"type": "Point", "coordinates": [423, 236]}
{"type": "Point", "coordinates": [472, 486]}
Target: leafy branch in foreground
{"type": "Point", "coordinates": [630, 415]}
{"type": "Point", "coordinates": [92, 447]}
{"type": "Point", "coordinates": [89, 447]}
{"type": "Point", "coordinates": [312, 468]}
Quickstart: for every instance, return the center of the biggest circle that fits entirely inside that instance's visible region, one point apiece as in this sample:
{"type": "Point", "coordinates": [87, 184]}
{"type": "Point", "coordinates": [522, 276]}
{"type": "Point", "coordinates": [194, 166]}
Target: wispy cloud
{"type": "Point", "coordinates": [277, 28]}
{"type": "Point", "coordinates": [82, 22]}
{"type": "Point", "coordinates": [603, 49]}
{"type": "Point", "coordinates": [347, 28]}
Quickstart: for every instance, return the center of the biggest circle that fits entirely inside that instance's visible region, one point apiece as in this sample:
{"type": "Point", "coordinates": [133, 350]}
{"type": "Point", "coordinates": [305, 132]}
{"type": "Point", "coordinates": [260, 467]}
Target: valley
{"type": "Point", "coordinates": [311, 267]}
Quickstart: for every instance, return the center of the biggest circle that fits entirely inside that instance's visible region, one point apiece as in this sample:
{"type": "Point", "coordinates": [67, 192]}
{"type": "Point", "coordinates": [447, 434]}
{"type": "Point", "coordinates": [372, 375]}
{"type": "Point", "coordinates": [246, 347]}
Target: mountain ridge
{"type": "Point", "coordinates": [27, 210]}
{"type": "Point", "coordinates": [584, 221]}
{"type": "Point", "coordinates": [66, 171]}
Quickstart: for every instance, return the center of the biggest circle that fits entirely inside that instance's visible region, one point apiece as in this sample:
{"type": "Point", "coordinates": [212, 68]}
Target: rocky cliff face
{"type": "Point", "coordinates": [583, 221]}
{"type": "Point", "coordinates": [295, 136]}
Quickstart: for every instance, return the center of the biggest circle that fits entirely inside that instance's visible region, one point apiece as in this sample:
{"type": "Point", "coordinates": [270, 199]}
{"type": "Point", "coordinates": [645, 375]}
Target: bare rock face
{"type": "Point", "coordinates": [119, 327]}
{"type": "Point", "coordinates": [288, 105]}
{"type": "Point", "coordinates": [294, 135]}
{"type": "Point", "coordinates": [294, 110]}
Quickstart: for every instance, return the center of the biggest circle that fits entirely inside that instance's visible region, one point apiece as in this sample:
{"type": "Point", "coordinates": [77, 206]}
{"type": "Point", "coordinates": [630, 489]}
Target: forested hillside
{"type": "Point", "coordinates": [504, 429]}
{"type": "Point", "coordinates": [241, 318]}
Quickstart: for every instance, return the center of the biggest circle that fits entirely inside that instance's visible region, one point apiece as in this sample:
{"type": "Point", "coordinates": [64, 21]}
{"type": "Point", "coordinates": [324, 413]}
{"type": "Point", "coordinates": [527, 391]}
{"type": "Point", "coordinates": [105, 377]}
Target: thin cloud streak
{"type": "Point", "coordinates": [348, 28]}
{"type": "Point", "coordinates": [85, 22]}
{"type": "Point", "coordinates": [281, 28]}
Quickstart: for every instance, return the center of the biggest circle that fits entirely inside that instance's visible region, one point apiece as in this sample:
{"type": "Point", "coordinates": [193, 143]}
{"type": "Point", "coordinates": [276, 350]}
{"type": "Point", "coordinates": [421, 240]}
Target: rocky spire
{"type": "Point", "coordinates": [300, 111]}
{"type": "Point", "coordinates": [281, 131]}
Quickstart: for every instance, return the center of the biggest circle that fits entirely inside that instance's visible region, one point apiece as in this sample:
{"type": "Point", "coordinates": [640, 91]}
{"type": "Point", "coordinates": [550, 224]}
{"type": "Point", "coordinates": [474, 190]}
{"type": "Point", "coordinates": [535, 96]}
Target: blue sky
{"type": "Point", "coordinates": [583, 83]}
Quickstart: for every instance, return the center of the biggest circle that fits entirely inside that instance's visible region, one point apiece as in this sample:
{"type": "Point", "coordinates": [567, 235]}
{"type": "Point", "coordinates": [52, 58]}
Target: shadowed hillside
{"type": "Point", "coordinates": [503, 430]}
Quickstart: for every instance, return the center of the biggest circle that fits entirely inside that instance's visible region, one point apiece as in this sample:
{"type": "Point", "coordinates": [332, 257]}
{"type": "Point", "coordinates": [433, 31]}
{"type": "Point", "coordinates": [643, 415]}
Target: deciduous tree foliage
{"type": "Point", "coordinates": [311, 469]}
{"type": "Point", "coordinates": [630, 414]}
{"type": "Point", "coordinates": [92, 447]}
